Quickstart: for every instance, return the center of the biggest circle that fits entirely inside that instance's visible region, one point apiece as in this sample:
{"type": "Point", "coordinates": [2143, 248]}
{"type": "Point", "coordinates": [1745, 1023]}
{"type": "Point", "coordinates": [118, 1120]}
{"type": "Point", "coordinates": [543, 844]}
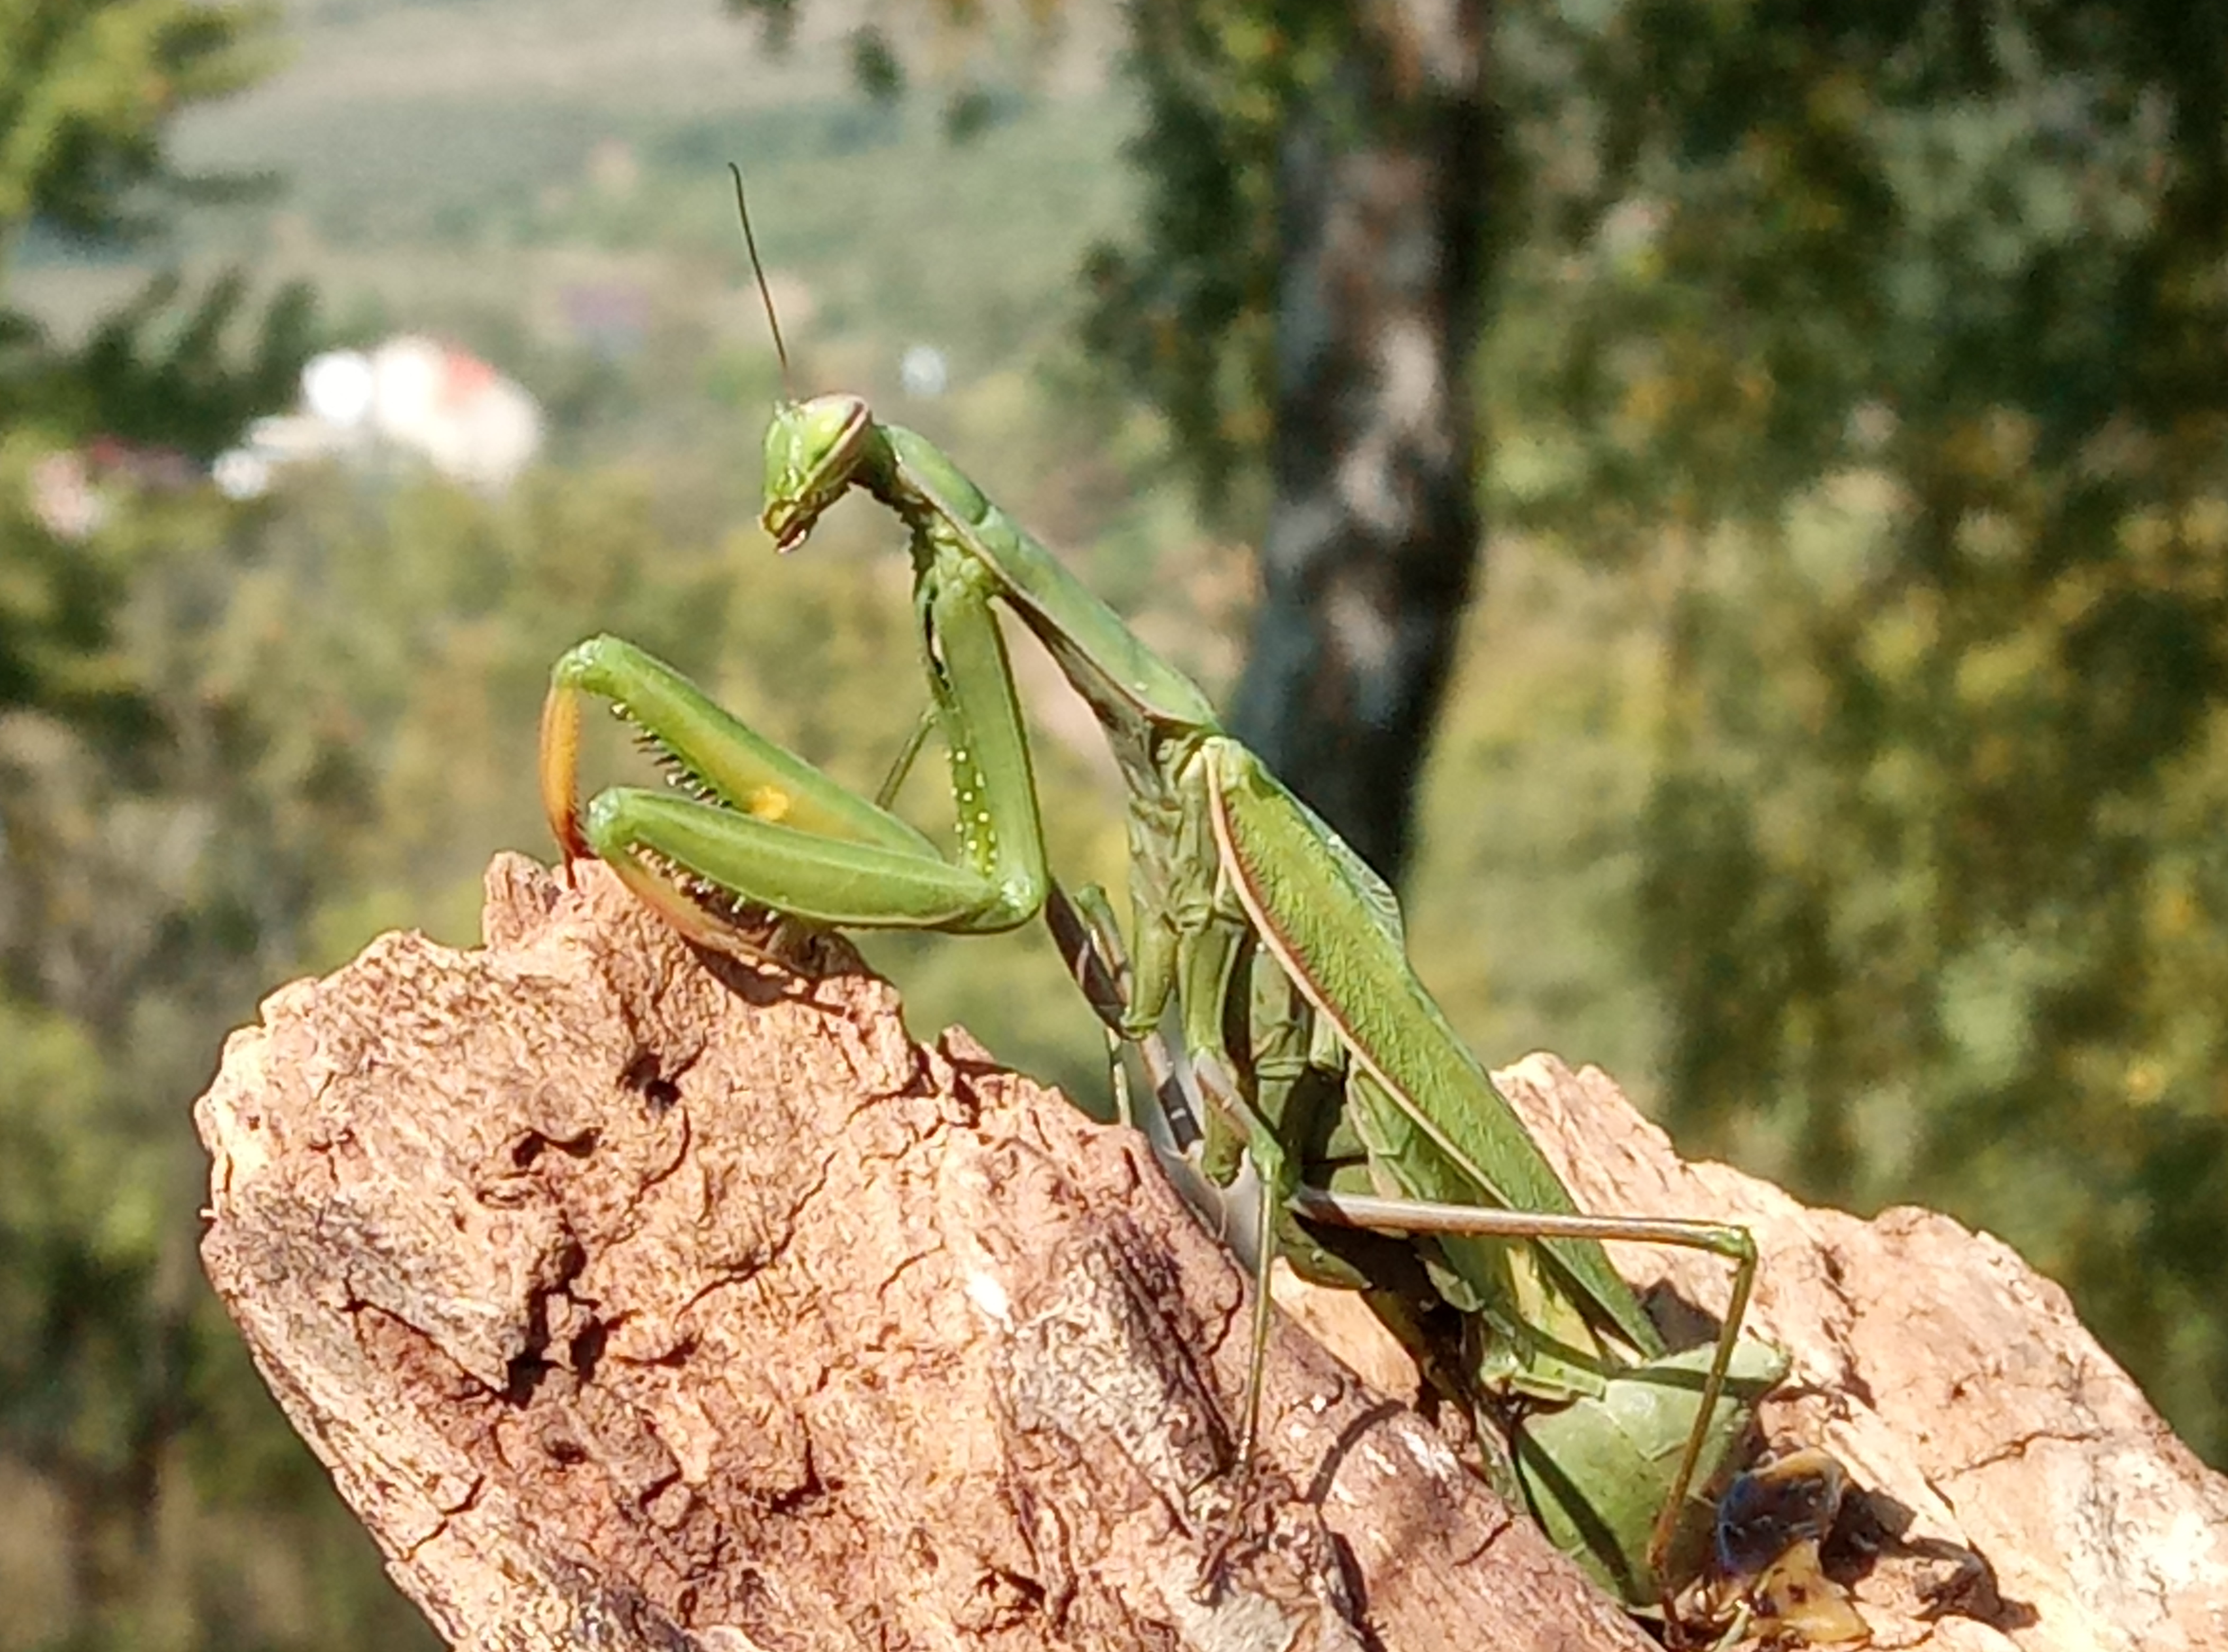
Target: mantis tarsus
{"type": "Point", "coordinates": [1282, 954]}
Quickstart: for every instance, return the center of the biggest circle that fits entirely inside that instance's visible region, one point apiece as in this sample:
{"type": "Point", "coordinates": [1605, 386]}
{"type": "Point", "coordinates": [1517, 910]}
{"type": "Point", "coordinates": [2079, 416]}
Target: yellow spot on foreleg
{"type": "Point", "coordinates": [768, 803]}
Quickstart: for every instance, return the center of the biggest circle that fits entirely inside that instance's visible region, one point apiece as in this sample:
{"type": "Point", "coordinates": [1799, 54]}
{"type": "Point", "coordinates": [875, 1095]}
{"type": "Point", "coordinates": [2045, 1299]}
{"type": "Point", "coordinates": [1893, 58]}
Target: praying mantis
{"type": "Point", "coordinates": [1275, 951]}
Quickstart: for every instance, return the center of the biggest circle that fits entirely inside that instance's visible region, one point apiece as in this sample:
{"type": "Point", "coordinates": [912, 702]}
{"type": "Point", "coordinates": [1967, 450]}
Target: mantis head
{"type": "Point", "coordinates": [812, 453]}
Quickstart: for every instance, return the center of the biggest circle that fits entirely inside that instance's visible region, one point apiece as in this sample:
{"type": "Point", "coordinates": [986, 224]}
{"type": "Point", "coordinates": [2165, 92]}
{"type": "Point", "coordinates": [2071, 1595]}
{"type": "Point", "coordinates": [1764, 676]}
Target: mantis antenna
{"type": "Point", "coordinates": [757, 269]}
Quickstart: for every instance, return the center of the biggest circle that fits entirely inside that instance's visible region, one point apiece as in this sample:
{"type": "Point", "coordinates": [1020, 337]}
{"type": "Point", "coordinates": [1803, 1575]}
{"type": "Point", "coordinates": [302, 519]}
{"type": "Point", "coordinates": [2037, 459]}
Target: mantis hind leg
{"type": "Point", "coordinates": [1577, 1460]}
{"type": "Point", "coordinates": [1567, 1459]}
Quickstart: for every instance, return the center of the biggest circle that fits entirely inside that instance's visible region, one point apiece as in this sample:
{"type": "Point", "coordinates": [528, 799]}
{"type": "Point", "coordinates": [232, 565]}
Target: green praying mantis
{"type": "Point", "coordinates": [1272, 948]}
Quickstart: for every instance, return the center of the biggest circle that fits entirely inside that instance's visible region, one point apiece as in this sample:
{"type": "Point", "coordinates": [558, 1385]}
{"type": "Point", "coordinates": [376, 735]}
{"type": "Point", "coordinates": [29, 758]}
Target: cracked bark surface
{"type": "Point", "coordinates": [640, 1303]}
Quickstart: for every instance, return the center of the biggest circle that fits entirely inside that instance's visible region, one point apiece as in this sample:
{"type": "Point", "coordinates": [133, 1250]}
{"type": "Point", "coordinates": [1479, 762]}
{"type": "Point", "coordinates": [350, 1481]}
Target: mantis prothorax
{"type": "Point", "coordinates": [1279, 950]}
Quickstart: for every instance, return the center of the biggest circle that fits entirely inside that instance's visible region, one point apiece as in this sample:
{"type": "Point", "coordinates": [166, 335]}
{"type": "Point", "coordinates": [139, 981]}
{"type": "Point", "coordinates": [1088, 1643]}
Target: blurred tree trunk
{"type": "Point", "coordinates": [1374, 524]}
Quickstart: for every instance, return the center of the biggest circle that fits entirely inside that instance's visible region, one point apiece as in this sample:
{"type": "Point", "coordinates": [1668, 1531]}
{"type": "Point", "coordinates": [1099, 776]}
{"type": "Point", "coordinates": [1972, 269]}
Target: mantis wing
{"type": "Point", "coordinates": [1296, 881]}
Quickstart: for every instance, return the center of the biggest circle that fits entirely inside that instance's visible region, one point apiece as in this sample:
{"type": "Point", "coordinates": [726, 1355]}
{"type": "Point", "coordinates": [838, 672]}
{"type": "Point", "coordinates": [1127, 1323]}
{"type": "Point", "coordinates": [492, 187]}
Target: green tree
{"type": "Point", "coordinates": [1901, 357]}
{"type": "Point", "coordinates": [85, 91]}
{"type": "Point", "coordinates": [108, 967]}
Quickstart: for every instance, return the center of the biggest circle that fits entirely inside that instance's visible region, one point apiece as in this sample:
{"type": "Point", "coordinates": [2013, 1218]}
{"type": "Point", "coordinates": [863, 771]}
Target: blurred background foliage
{"type": "Point", "coordinates": [1836, 755]}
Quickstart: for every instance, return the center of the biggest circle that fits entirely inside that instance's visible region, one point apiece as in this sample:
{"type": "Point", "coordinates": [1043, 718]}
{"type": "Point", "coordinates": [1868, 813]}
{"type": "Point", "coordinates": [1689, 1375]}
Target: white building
{"type": "Point", "coordinates": [411, 393]}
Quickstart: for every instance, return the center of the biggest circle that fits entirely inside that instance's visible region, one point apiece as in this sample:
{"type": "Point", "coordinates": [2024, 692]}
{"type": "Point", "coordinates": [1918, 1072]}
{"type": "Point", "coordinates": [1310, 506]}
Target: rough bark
{"type": "Point", "coordinates": [640, 1302]}
{"type": "Point", "coordinates": [1367, 558]}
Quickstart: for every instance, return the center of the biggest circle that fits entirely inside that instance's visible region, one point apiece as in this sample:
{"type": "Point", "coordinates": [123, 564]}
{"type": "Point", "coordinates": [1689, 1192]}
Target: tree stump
{"type": "Point", "coordinates": [640, 1301]}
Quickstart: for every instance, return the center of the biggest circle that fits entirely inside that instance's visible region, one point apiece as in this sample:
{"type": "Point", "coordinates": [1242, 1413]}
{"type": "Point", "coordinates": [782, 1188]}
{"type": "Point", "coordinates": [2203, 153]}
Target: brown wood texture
{"type": "Point", "coordinates": [637, 1302]}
